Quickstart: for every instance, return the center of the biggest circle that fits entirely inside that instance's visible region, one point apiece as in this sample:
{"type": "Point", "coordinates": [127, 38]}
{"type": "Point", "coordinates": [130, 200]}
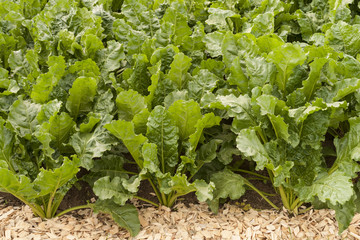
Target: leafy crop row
{"type": "Point", "coordinates": [169, 91]}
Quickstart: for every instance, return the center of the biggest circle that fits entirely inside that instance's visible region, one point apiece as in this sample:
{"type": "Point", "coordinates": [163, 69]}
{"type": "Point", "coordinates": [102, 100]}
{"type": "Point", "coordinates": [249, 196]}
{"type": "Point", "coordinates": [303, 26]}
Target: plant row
{"type": "Point", "coordinates": [170, 91]}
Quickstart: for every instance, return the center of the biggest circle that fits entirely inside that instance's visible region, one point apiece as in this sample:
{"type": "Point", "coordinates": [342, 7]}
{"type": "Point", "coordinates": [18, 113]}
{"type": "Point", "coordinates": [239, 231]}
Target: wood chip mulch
{"type": "Point", "coordinates": [194, 222]}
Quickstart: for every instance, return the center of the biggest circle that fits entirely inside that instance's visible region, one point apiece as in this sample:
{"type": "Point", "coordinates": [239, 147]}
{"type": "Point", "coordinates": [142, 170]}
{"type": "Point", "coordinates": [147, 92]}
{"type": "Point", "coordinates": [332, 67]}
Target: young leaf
{"type": "Point", "coordinates": [186, 114]}
{"type": "Point", "coordinates": [178, 72]}
{"type": "Point", "coordinates": [129, 103]}
{"type": "Point", "coordinates": [81, 96]}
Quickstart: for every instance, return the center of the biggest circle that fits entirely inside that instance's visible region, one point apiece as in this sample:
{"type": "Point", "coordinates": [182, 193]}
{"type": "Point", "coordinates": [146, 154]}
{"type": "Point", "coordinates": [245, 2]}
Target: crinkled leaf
{"type": "Point", "coordinates": [227, 184]}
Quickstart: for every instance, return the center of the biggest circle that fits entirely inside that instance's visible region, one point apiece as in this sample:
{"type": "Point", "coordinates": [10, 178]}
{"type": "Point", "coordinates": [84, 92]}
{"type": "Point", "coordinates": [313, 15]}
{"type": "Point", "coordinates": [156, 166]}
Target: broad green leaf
{"type": "Point", "coordinates": [286, 58]}
{"type": "Point", "coordinates": [176, 16]}
{"type": "Point", "coordinates": [49, 181]}
{"type": "Point", "coordinates": [162, 130]}
{"type": "Point", "coordinates": [108, 165]}
{"type": "Point", "coordinates": [48, 110]}
{"type": "Point", "coordinates": [6, 145]}
{"type": "Point", "coordinates": [124, 131]}
{"type": "Point", "coordinates": [140, 78]}
{"type": "Point", "coordinates": [269, 42]}
{"type": "Point", "coordinates": [346, 149]}
{"type": "Point", "coordinates": [22, 117]}
{"type": "Point", "coordinates": [60, 127]}
{"type": "Point", "coordinates": [249, 144]}
{"type": "Point", "coordinates": [104, 104]}
{"type": "Point", "coordinates": [335, 188]}
{"type": "Point", "coordinates": [93, 119]}
{"type": "Point", "coordinates": [129, 103]}
{"type": "Point", "coordinates": [91, 45]}
{"type": "Point", "coordinates": [186, 114]}
{"type": "Point", "coordinates": [179, 70]}
{"type": "Point", "coordinates": [314, 128]}
{"type": "Point", "coordinates": [227, 184]}
{"type": "Point", "coordinates": [213, 43]}
{"type": "Point", "coordinates": [218, 17]}
{"type": "Point", "coordinates": [105, 188]}
{"type": "Point", "coordinates": [92, 145]}
{"type": "Point", "coordinates": [81, 96]}
{"type": "Point", "coordinates": [125, 216]}
{"type": "Point", "coordinates": [345, 87]}
{"type": "Point", "coordinates": [312, 82]}
{"type": "Point", "coordinates": [111, 56]}
{"type": "Point", "coordinates": [18, 186]}
{"type": "Point", "coordinates": [344, 37]}
{"type": "Point", "coordinates": [85, 68]}
{"type": "Point", "coordinates": [207, 121]}
{"type": "Point", "coordinates": [237, 76]}
{"type": "Point", "coordinates": [150, 155]}
{"type": "Point", "coordinates": [263, 24]}
{"type": "Point", "coordinates": [203, 82]}
{"type": "Point", "coordinates": [46, 82]}
{"type": "Point", "coordinates": [280, 127]}
{"type": "Point", "coordinates": [259, 71]}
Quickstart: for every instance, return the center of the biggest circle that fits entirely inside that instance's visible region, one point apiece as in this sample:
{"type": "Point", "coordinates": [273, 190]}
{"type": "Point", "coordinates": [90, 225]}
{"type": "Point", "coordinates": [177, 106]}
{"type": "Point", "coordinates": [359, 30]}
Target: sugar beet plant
{"type": "Point", "coordinates": [168, 91]}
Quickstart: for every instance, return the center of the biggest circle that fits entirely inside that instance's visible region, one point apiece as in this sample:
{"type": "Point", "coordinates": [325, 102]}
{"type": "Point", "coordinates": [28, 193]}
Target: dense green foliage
{"type": "Point", "coordinates": [169, 91]}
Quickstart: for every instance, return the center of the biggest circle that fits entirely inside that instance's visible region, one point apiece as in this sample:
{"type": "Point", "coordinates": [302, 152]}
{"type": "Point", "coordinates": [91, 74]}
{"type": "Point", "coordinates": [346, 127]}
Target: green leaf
{"type": "Point", "coordinates": [335, 188]}
{"type": "Point", "coordinates": [344, 37]}
{"type": "Point", "coordinates": [218, 17]}
{"type": "Point", "coordinates": [286, 58]}
{"type": "Point", "coordinates": [124, 131]}
{"type": "Point", "coordinates": [227, 184]}
{"type": "Point", "coordinates": [114, 189]}
{"type": "Point", "coordinates": [60, 128]}
{"type": "Point", "coordinates": [202, 83]}
{"type": "Point", "coordinates": [49, 181]}
{"type": "Point", "coordinates": [111, 56]}
{"type": "Point", "coordinates": [81, 96]}
{"type": "Point", "coordinates": [125, 216]}
{"type": "Point", "coordinates": [213, 43]}
{"type": "Point", "coordinates": [46, 82]}
{"type": "Point", "coordinates": [249, 144]}
{"type": "Point", "coordinates": [129, 103]}
{"type": "Point", "coordinates": [108, 165]}
{"type": "Point", "coordinates": [186, 114]}
{"type": "Point", "coordinates": [92, 145]}
{"type": "Point", "coordinates": [140, 78]}
{"type": "Point", "coordinates": [162, 130]}
{"type": "Point", "coordinates": [176, 17]}
{"type": "Point", "coordinates": [22, 117]}
{"type": "Point", "coordinates": [207, 121]}
{"type": "Point", "coordinates": [6, 145]}
{"type": "Point", "coordinates": [19, 186]}
{"type": "Point", "coordinates": [179, 70]}
{"type": "Point", "coordinates": [104, 103]}
{"type": "Point", "coordinates": [311, 83]}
